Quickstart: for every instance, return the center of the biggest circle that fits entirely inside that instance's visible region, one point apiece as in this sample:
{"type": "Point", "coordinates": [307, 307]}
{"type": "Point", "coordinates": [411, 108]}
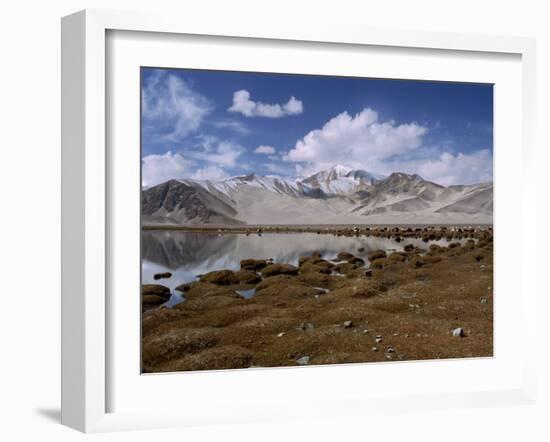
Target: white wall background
{"type": "Point", "coordinates": [30, 217]}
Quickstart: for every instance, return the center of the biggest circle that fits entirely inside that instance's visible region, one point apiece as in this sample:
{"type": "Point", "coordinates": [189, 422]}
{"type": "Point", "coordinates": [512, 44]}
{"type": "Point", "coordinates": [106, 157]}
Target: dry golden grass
{"type": "Point", "coordinates": [411, 303]}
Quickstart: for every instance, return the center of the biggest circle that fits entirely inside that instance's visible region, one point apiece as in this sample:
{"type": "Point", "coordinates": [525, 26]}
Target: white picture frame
{"type": "Point", "coordinates": [86, 201]}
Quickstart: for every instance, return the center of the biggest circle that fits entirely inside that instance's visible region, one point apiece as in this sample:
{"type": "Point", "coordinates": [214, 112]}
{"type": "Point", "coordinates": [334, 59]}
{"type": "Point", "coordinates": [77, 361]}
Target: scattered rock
{"type": "Point", "coordinates": [390, 350]}
{"type": "Point", "coordinates": [348, 324]}
{"type": "Point", "coordinates": [374, 348]}
{"type": "Point", "coordinates": [378, 340]}
{"type": "Point", "coordinates": [458, 332]}
{"type": "Point", "coordinates": [162, 275]}
{"type": "Point", "coordinates": [304, 360]}
{"type": "Point", "coordinates": [306, 326]}
{"type": "Point", "coordinates": [280, 335]}
{"type": "Point", "coordinates": [484, 300]}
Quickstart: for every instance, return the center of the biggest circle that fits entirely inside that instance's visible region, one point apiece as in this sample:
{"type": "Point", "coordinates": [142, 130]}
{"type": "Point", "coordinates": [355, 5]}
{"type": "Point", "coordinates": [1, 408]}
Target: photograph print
{"type": "Point", "coordinates": [299, 220]}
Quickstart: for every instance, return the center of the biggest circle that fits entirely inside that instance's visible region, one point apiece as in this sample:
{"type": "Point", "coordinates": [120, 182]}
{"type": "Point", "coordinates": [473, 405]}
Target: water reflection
{"type": "Point", "coordinates": [189, 254]}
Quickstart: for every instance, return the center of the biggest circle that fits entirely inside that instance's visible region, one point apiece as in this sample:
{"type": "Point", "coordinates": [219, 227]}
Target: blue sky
{"type": "Point", "coordinates": [216, 124]}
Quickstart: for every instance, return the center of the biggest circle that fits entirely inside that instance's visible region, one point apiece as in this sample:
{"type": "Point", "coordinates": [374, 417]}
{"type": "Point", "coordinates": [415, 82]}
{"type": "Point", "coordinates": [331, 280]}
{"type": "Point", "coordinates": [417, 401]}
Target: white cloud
{"type": "Point", "coordinates": [171, 110]}
{"type": "Point", "coordinates": [448, 168]}
{"type": "Point", "coordinates": [222, 153]}
{"type": "Point", "coordinates": [160, 168]}
{"type": "Point", "coordinates": [249, 108]}
{"type": "Point", "coordinates": [363, 141]}
{"type": "Point", "coordinates": [276, 168]}
{"type": "Point", "coordinates": [267, 150]}
{"type": "Point", "coordinates": [213, 173]}
{"type": "Point", "coordinates": [234, 125]}
{"type": "Point", "coordinates": [356, 141]}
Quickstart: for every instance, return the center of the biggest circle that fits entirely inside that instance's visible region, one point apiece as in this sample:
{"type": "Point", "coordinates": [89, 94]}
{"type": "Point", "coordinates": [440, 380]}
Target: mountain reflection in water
{"type": "Point", "coordinates": [188, 254]}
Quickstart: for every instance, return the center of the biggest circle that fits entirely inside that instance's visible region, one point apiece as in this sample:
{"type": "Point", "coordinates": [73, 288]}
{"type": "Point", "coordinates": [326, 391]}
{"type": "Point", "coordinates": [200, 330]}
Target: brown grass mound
{"type": "Point", "coordinates": [247, 277]}
{"type": "Point", "coordinates": [166, 345]}
{"type": "Point", "coordinates": [253, 264]}
{"type": "Point", "coordinates": [220, 358]}
{"type": "Point", "coordinates": [279, 269]}
{"type": "Point", "coordinates": [220, 277]}
{"type": "Point", "coordinates": [376, 255]}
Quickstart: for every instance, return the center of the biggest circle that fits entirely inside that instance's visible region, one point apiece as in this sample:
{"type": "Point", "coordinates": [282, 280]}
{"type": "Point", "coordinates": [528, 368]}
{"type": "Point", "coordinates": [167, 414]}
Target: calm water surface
{"type": "Point", "coordinates": [189, 254]}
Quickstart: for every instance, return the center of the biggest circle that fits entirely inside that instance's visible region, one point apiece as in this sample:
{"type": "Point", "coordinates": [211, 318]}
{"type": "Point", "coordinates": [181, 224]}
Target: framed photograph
{"type": "Point", "coordinates": [274, 222]}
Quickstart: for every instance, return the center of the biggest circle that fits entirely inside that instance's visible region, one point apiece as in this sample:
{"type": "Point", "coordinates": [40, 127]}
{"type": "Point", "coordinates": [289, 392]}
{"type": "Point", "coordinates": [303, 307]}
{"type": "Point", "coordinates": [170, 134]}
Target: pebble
{"type": "Point", "coordinates": [365, 331]}
{"type": "Point", "coordinates": [390, 350]}
{"type": "Point", "coordinates": [458, 332]}
{"type": "Point", "coordinates": [304, 360]}
{"type": "Point", "coordinates": [348, 324]}
{"type": "Point", "coordinates": [378, 340]}
{"type": "Point", "coordinates": [306, 326]}
{"type": "Point", "coordinates": [374, 349]}
{"type": "Point", "coordinates": [484, 300]}
{"type": "Point", "coordinates": [389, 356]}
{"type": "Point", "coordinates": [280, 335]}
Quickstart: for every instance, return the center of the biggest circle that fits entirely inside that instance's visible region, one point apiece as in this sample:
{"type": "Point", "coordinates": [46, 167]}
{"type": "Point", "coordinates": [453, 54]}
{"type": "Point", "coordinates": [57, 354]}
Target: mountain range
{"type": "Point", "coordinates": [339, 195]}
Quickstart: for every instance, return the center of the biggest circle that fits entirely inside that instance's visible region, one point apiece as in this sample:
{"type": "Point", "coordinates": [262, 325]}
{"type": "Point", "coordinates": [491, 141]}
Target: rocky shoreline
{"type": "Point", "coordinates": [429, 302]}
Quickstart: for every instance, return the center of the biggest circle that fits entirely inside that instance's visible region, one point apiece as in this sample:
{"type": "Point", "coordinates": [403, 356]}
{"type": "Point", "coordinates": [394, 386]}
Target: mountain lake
{"type": "Point", "coordinates": [187, 255]}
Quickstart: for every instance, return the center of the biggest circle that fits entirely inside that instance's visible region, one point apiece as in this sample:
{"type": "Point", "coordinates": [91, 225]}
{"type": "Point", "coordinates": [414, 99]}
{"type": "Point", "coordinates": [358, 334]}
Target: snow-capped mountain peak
{"type": "Point", "coordinates": [341, 180]}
